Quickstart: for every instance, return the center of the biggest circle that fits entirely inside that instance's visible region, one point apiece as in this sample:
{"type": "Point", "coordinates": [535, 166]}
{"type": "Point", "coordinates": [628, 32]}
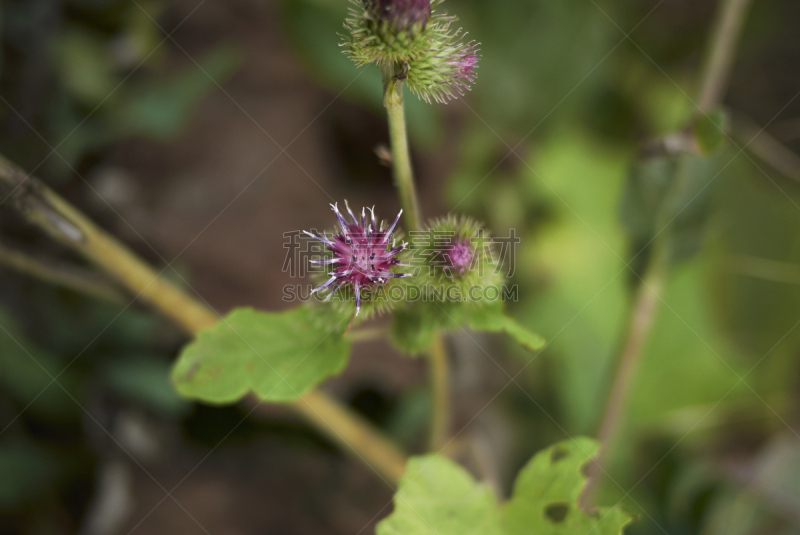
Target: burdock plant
{"type": "Point", "coordinates": [281, 357]}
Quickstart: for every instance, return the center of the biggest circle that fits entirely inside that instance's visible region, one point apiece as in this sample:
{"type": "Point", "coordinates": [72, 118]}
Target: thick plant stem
{"type": "Point", "coordinates": [66, 276]}
{"type": "Point", "coordinates": [440, 386]}
{"type": "Point", "coordinates": [719, 58]}
{"type": "Point", "coordinates": [44, 208]}
{"type": "Point", "coordinates": [401, 156]}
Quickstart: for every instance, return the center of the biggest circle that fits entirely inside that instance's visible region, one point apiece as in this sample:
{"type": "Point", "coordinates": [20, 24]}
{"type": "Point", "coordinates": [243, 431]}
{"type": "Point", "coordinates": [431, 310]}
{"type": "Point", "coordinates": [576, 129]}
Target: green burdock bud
{"type": "Point", "coordinates": [444, 72]}
{"type": "Point", "coordinates": [412, 39]}
{"type": "Point", "coordinates": [389, 31]}
{"type": "Point", "coordinates": [454, 252]}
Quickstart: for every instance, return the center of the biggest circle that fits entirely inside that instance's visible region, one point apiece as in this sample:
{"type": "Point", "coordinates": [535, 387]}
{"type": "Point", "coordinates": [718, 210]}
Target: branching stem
{"type": "Point", "coordinates": [44, 208]}
{"type": "Point", "coordinates": [67, 276]}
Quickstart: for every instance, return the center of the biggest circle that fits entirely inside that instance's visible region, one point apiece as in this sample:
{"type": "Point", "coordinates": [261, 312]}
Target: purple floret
{"type": "Point", "coordinates": [460, 255]}
{"type": "Point", "coordinates": [363, 254]}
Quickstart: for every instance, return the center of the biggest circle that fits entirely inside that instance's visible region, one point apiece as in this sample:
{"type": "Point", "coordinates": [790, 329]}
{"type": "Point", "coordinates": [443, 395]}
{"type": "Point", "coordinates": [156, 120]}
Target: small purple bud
{"type": "Point", "coordinates": [403, 13]}
{"type": "Point", "coordinates": [363, 253]}
{"type": "Point", "coordinates": [460, 254]}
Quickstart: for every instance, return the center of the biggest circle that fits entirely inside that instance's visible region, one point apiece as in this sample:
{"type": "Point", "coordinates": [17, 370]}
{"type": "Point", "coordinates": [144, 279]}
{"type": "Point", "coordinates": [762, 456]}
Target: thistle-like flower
{"type": "Point", "coordinates": [363, 254]}
{"type": "Point", "coordinates": [437, 63]}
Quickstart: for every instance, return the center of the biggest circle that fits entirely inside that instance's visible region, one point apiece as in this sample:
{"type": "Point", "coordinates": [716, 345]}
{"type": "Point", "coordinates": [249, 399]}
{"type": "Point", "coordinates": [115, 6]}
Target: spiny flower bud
{"type": "Point", "coordinates": [411, 37]}
{"type": "Point", "coordinates": [389, 31]}
{"type": "Point", "coordinates": [363, 254]}
{"type": "Point", "coordinates": [445, 72]}
{"type": "Point", "coordinates": [456, 251]}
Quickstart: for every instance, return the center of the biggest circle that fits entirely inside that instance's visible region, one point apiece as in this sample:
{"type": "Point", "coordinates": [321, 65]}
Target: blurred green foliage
{"type": "Point", "coordinates": [83, 76]}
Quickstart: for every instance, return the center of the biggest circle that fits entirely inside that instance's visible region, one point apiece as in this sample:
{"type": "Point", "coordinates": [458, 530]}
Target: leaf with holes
{"type": "Point", "coordinates": [278, 356]}
{"type": "Point", "coordinates": [545, 498]}
{"type": "Point", "coordinates": [438, 497]}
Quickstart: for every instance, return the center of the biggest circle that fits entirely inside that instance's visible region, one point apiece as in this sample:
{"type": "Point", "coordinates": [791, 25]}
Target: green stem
{"type": "Point", "coordinates": [401, 156]}
{"type": "Point", "coordinates": [440, 386]}
{"type": "Point", "coordinates": [721, 52]}
{"type": "Point", "coordinates": [404, 181]}
{"type": "Point", "coordinates": [67, 276]}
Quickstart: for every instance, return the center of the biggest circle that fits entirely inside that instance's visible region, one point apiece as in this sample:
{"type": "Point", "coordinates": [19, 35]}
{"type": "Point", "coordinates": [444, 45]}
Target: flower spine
{"type": "Point", "coordinates": [362, 254]}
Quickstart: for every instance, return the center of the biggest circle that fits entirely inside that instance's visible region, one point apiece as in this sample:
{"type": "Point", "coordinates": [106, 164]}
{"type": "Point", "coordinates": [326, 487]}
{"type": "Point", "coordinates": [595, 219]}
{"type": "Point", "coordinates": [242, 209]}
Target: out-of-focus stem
{"type": "Point", "coordinates": [401, 156]}
{"type": "Point", "coordinates": [74, 278]}
{"type": "Point", "coordinates": [639, 325]}
{"type": "Point", "coordinates": [715, 77]}
{"type": "Point", "coordinates": [44, 208]}
{"type": "Point", "coordinates": [754, 138]}
{"type": "Point", "coordinates": [722, 50]}
{"type": "Point", "coordinates": [367, 335]}
{"type": "Point", "coordinates": [440, 386]}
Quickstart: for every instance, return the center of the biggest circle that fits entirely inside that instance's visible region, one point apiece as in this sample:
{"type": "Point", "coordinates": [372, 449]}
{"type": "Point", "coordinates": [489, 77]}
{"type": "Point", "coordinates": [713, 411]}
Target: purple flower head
{"type": "Point", "coordinates": [460, 254]}
{"type": "Point", "coordinates": [363, 254]}
{"type": "Point", "coordinates": [403, 13]}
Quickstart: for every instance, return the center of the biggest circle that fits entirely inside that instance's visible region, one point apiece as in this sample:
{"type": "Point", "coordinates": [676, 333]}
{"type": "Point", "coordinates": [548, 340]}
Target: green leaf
{"type": "Point", "coordinates": [668, 195]}
{"type": "Point", "coordinates": [545, 498]}
{"type": "Point", "coordinates": [710, 130]}
{"type": "Point", "coordinates": [523, 336]}
{"type": "Point", "coordinates": [277, 356]}
{"type": "Point", "coordinates": [438, 497]}
{"type": "Point", "coordinates": [493, 319]}
{"type": "Point", "coordinates": [649, 179]}
{"type": "Point", "coordinates": [413, 328]}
